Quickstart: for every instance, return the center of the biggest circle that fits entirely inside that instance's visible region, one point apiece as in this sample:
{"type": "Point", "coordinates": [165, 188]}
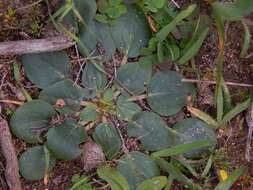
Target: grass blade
{"type": "Point", "coordinates": [227, 96]}
{"type": "Point", "coordinates": [207, 167]}
{"type": "Point", "coordinates": [170, 182]}
{"type": "Point", "coordinates": [193, 50]}
{"type": "Point", "coordinates": [246, 41]}
{"type": "Point", "coordinates": [180, 149]}
{"type": "Point", "coordinates": [177, 174]}
{"type": "Point", "coordinates": [218, 88]}
{"type": "Point", "coordinates": [113, 178]}
{"type": "Point", "coordinates": [203, 116]}
{"type": "Point", "coordinates": [220, 104]}
{"type": "Point", "coordinates": [17, 77]}
{"type": "Point", "coordinates": [47, 163]}
{"type": "Point", "coordinates": [225, 185]}
{"type": "Point", "coordinates": [164, 32]}
{"type": "Point", "coordinates": [160, 54]}
{"type": "Point", "coordinates": [235, 111]}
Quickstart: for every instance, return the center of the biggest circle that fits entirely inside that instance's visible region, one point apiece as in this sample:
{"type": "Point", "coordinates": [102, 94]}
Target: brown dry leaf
{"type": "Point", "coordinates": [92, 156]}
{"type": "Point", "coordinates": [60, 103]}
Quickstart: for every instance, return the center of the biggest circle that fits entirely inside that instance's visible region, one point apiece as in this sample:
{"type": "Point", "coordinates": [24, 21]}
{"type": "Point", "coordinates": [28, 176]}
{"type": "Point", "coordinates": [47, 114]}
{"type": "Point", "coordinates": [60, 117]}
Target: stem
{"type": "Point", "coordinates": [136, 98]}
{"type": "Point", "coordinates": [214, 82]}
{"type": "Point", "coordinates": [12, 102]}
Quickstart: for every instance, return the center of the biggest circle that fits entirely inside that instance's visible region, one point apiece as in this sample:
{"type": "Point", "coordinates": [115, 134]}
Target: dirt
{"type": "Point", "coordinates": [232, 138]}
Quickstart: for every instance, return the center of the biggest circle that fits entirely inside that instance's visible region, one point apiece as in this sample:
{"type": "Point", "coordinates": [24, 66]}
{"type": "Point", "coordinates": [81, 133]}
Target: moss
{"type": "Point", "coordinates": [16, 17]}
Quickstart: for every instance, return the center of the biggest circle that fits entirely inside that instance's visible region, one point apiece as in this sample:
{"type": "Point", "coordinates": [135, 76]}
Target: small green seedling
{"type": "Point", "coordinates": [110, 10]}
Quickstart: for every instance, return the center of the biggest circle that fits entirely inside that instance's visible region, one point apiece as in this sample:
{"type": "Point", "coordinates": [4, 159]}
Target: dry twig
{"type": "Point", "coordinates": [35, 46]}
{"type": "Point", "coordinates": [249, 120]}
{"type": "Point", "coordinates": [9, 153]}
{"type": "Point", "coordinates": [214, 82]}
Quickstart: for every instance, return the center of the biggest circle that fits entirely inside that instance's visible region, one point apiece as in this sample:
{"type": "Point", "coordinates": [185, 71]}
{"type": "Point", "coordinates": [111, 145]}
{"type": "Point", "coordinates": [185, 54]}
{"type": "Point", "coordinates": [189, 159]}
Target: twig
{"type": "Point", "coordinates": [12, 102]}
{"type": "Point", "coordinates": [175, 3]}
{"type": "Point", "coordinates": [214, 82]}
{"type": "Point", "coordinates": [249, 120]}
{"type": "Point", "coordinates": [29, 6]}
{"type": "Point", "coordinates": [35, 46]}
{"type": "Point", "coordinates": [249, 55]}
{"type": "Point", "coordinates": [9, 153]}
{"type": "Point", "coordinates": [81, 64]}
{"type": "Point", "coordinates": [116, 124]}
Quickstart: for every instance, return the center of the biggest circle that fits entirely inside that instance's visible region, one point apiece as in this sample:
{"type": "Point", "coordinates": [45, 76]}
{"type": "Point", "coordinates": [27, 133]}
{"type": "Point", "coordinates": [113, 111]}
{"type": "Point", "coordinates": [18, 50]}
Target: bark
{"type": "Point", "coordinates": [35, 46]}
{"type": "Point", "coordinates": [9, 153]}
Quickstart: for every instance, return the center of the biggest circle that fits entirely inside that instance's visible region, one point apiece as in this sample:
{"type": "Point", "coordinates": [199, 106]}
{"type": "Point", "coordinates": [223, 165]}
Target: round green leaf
{"type": "Point", "coordinates": [151, 130]}
{"type": "Point", "coordinates": [63, 140]}
{"type": "Point", "coordinates": [113, 12]}
{"type": "Point", "coordinates": [167, 95]}
{"type": "Point", "coordinates": [126, 109]}
{"type": "Point", "coordinates": [156, 183]}
{"type": "Point", "coordinates": [93, 79]}
{"type": "Point", "coordinates": [137, 167]}
{"type": "Point", "coordinates": [44, 69]}
{"type": "Point", "coordinates": [108, 138]}
{"type": "Point", "coordinates": [193, 129]}
{"type": "Point", "coordinates": [133, 77]}
{"type": "Point", "coordinates": [32, 163]}
{"type": "Point", "coordinates": [113, 178]}
{"type": "Point", "coordinates": [130, 33]}
{"type": "Point", "coordinates": [65, 90]}
{"type": "Point", "coordinates": [28, 120]}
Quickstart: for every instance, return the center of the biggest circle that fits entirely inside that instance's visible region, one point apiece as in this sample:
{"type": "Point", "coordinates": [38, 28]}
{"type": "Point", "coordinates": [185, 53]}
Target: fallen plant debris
{"type": "Point", "coordinates": [89, 108]}
{"type": "Point", "coordinates": [9, 153]}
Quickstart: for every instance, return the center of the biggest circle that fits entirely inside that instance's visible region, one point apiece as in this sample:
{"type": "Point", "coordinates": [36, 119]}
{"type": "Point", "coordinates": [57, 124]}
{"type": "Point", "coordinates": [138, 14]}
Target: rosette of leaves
{"type": "Point", "coordinates": [31, 123]}
{"type": "Point", "coordinates": [177, 36]}
{"type": "Point", "coordinates": [36, 122]}
{"type": "Point", "coordinates": [104, 106]}
{"type": "Point", "coordinates": [151, 5]}
{"type": "Point", "coordinates": [110, 10]}
{"type": "Point", "coordinates": [128, 34]}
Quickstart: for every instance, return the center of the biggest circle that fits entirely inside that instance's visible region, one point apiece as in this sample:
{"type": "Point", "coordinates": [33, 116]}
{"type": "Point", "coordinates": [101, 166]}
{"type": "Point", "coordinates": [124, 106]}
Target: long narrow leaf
{"type": "Point", "coordinates": [203, 116]}
{"type": "Point", "coordinates": [227, 184]}
{"type": "Point", "coordinates": [177, 174]}
{"type": "Point", "coordinates": [164, 32]}
{"type": "Point", "coordinates": [233, 11]}
{"type": "Point", "coordinates": [170, 181]}
{"type": "Point", "coordinates": [207, 167]}
{"type": "Point", "coordinates": [220, 104]}
{"type": "Point", "coordinates": [234, 112]}
{"type": "Point", "coordinates": [47, 164]}
{"type": "Point", "coordinates": [193, 50]}
{"type": "Point", "coordinates": [246, 41]}
{"type": "Point", "coordinates": [227, 96]}
{"type": "Point", "coordinates": [113, 178]}
{"type": "Point", "coordinates": [218, 88]}
{"type": "Point", "coordinates": [180, 149]}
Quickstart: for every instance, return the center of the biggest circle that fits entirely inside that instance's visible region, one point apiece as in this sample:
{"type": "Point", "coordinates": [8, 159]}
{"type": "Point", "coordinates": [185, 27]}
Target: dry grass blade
{"type": "Point", "coordinates": [35, 46]}
{"type": "Point", "coordinates": [249, 120]}
{"type": "Point", "coordinates": [203, 116]}
{"type": "Point", "coordinates": [9, 153]}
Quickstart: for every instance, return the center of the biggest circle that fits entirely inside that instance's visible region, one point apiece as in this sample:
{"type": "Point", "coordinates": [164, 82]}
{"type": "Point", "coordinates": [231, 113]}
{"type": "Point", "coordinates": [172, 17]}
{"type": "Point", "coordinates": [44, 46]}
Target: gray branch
{"type": "Point", "coordinates": [35, 46]}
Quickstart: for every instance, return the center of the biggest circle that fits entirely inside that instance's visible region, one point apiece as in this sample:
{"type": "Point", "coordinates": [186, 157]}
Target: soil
{"type": "Point", "coordinates": [232, 138]}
